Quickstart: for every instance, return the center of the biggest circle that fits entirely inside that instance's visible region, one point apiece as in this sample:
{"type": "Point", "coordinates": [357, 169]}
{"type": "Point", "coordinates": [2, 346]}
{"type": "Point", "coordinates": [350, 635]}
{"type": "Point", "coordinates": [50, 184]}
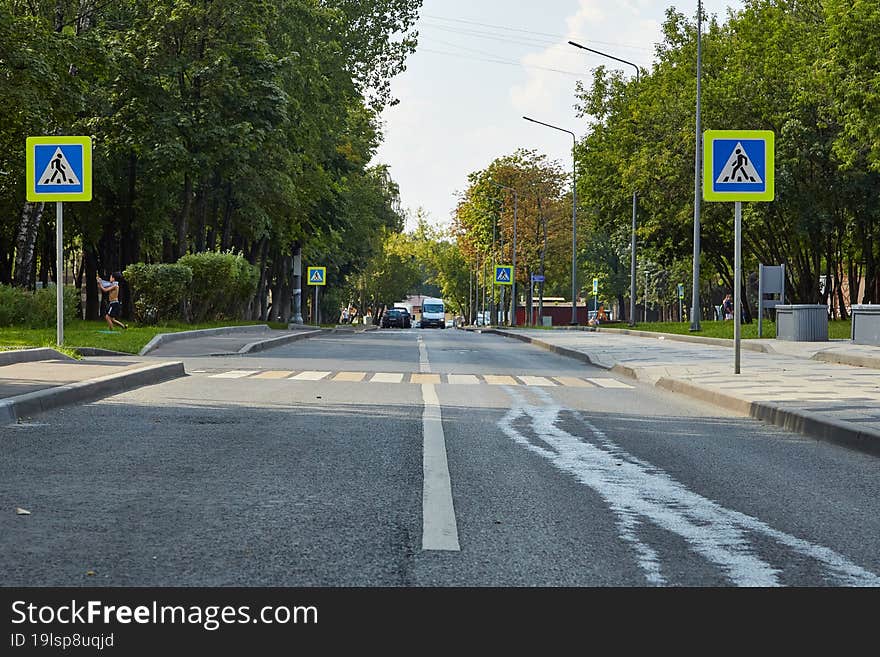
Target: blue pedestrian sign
{"type": "Point", "coordinates": [595, 286]}
{"type": "Point", "coordinates": [738, 165]}
{"type": "Point", "coordinates": [681, 290]}
{"type": "Point", "coordinates": [59, 169]}
{"type": "Point", "coordinates": [503, 275]}
{"type": "Point", "coordinates": [537, 278]}
{"type": "Point", "coordinates": [317, 275]}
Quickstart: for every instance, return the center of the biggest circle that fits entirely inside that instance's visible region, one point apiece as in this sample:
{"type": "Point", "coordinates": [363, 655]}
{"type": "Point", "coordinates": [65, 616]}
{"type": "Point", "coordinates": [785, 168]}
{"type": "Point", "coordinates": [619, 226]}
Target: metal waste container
{"type": "Point", "coordinates": [802, 323]}
{"type": "Point", "coordinates": [866, 324]}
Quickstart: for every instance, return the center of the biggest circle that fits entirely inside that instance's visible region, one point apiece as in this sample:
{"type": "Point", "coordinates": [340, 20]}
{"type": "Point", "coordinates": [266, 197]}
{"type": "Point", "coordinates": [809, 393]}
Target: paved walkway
{"type": "Point", "coordinates": [790, 387]}
{"type": "Point", "coordinates": [22, 378]}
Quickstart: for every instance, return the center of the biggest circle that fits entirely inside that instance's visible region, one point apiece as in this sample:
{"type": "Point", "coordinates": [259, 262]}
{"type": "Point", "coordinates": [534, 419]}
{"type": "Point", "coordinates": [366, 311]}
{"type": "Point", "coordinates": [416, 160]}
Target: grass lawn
{"type": "Point", "coordinates": [82, 333]}
{"type": "Point", "coordinates": [838, 329]}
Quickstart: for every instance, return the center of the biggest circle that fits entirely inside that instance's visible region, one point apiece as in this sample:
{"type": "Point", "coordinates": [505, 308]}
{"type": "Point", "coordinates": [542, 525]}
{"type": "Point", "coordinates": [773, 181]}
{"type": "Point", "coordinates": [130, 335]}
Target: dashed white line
{"type": "Point", "coordinates": [439, 528]}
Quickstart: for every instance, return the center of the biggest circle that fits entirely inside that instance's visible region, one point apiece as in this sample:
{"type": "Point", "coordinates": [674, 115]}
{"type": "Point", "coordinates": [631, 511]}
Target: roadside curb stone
{"type": "Point", "coordinates": [165, 338]}
{"type": "Point", "coordinates": [31, 355]}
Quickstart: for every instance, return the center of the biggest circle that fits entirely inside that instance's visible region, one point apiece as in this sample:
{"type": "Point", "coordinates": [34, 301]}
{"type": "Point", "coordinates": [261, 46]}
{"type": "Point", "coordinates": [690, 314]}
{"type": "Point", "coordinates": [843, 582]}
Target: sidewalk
{"type": "Point", "coordinates": [795, 385]}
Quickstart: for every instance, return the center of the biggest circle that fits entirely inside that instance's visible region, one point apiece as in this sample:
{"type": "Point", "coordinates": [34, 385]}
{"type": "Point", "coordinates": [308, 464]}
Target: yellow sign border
{"type": "Point", "coordinates": [31, 183]}
{"type": "Point", "coordinates": [497, 267]}
{"type": "Point", "coordinates": [769, 138]}
{"type": "Point", "coordinates": [323, 271]}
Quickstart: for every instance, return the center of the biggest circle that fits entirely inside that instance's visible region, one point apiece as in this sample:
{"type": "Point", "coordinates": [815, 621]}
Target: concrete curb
{"type": "Point", "coordinates": [40, 401]}
{"type": "Point", "coordinates": [165, 338]}
{"type": "Point", "coordinates": [872, 362]}
{"type": "Point", "coordinates": [94, 351]}
{"type": "Point", "coordinates": [31, 355]}
{"type": "Point", "coordinates": [277, 342]}
{"type": "Point", "coordinates": [799, 421]}
{"type": "Point", "coordinates": [696, 339]}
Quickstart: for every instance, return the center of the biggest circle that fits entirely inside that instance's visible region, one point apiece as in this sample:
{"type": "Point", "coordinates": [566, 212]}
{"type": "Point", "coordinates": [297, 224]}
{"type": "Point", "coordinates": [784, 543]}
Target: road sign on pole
{"type": "Point", "coordinates": [317, 275]}
{"type": "Point", "coordinates": [58, 169]}
{"type": "Point", "coordinates": [503, 275]}
{"type": "Point", "coordinates": [738, 165]}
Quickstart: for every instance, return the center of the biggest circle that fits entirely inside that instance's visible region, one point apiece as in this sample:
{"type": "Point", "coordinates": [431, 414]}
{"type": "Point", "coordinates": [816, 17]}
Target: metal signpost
{"type": "Point", "coordinates": [738, 165]}
{"type": "Point", "coordinates": [596, 296]}
{"type": "Point", "coordinates": [536, 278]}
{"type": "Point", "coordinates": [680, 298]}
{"type": "Point", "coordinates": [318, 277]}
{"type": "Point", "coordinates": [59, 169]}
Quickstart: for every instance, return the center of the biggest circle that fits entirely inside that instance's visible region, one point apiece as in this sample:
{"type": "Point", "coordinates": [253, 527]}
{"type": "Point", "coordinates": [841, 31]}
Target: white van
{"type": "Point", "coordinates": [433, 313]}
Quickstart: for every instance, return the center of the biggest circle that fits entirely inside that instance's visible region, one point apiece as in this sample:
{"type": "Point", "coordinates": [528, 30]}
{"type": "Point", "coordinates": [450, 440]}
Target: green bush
{"type": "Point", "coordinates": [24, 308]}
{"type": "Point", "coordinates": [157, 290]}
{"type": "Point", "coordinates": [222, 285]}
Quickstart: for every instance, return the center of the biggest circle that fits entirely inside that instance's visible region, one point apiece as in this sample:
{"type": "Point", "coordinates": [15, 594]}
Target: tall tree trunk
{"type": "Point", "coordinates": [26, 245]}
{"type": "Point", "coordinates": [183, 218]}
{"type": "Point", "coordinates": [201, 211]}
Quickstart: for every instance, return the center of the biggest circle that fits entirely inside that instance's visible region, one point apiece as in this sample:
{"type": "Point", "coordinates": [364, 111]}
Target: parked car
{"type": "Point", "coordinates": [396, 317]}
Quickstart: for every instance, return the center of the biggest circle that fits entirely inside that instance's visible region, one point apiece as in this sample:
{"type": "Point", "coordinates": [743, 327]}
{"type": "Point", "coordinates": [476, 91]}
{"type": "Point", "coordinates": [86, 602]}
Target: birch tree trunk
{"type": "Point", "coordinates": [26, 245]}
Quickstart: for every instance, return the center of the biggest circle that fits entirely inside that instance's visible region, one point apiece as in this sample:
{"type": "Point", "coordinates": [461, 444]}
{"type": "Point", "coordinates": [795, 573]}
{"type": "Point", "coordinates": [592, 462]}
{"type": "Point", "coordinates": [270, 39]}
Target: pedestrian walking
{"type": "Point", "coordinates": [114, 309]}
{"type": "Point", "coordinates": [727, 307]}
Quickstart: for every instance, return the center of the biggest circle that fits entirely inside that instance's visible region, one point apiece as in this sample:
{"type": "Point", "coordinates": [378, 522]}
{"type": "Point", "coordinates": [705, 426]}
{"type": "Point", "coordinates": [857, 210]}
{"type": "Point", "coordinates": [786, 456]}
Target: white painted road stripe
{"type": "Point", "coordinates": [439, 529]}
{"type": "Point", "coordinates": [387, 377]}
{"type": "Point", "coordinates": [536, 381]}
{"type": "Point", "coordinates": [234, 374]}
{"type": "Point", "coordinates": [309, 376]}
{"type": "Point", "coordinates": [499, 380]}
{"type": "Point", "coordinates": [424, 364]}
{"type": "Point", "coordinates": [460, 379]}
{"type": "Point", "coordinates": [609, 383]}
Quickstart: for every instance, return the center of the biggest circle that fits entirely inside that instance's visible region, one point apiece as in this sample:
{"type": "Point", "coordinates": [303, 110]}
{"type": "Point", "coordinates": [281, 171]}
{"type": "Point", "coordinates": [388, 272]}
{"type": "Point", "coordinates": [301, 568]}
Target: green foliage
{"type": "Point", "coordinates": [158, 290]}
{"type": "Point", "coordinates": [222, 284]}
{"type": "Point", "coordinates": [34, 309]}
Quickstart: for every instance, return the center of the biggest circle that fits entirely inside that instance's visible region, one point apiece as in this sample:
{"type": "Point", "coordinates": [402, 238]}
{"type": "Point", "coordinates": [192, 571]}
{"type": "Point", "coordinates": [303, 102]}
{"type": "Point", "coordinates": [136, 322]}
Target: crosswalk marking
{"type": "Point", "coordinates": [497, 380]}
{"type": "Point", "coordinates": [310, 376]}
{"type": "Point", "coordinates": [572, 382]}
{"type": "Point", "coordinates": [387, 377]}
{"type": "Point", "coordinates": [234, 374]}
{"type": "Point", "coordinates": [425, 378]}
{"type": "Point", "coordinates": [352, 377]}
{"type": "Point", "coordinates": [609, 383]}
{"type": "Point", "coordinates": [536, 381]}
{"type": "Point", "coordinates": [273, 374]}
{"type": "Point", "coordinates": [459, 379]}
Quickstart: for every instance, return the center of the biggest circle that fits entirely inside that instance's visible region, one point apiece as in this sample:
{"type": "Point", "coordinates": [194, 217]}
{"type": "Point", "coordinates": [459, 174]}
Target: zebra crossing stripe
{"type": "Point", "coordinates": [497, 380]}
{"type": "Point", "coordinates": [459, 379]}
{"type": "Point", "coordinates": [425, 378]}
{"type": "Point", "coordinates": [572, 382]}
{"type": "Point", "coordinates": [310, 376]}
{"type": "Point", "coordinates": [609, 383]}
{"type": "Point", "coordinates": [387, 377]}
{"type": "Point", "coordinates": [536, 381]}
{"type": "Point", "coordinates": [273, 374]}
{"type": "Point", "coordinates": [352, 377]}
{"type": "Point", "coordinates": [234, 374]}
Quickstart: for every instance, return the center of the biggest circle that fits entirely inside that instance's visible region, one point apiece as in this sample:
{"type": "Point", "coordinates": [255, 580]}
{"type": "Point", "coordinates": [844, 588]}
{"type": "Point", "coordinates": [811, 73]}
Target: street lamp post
{"type": "Point", "coordinates": [695, 283]}
{"type": "Point", "coordinates": [632, 264]}
{"type": "Point", "coordinates": [513, 264]}
{"type": "Point", "coordinates": [573, 218]}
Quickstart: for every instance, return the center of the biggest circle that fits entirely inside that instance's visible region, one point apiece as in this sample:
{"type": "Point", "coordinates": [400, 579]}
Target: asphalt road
{"type": "Point", "coordinates": [425, 458]}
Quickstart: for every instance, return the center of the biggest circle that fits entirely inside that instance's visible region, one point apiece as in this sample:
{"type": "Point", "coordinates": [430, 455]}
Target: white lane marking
{"type": "Point", "coordinates": [462, 379]}
{"type": "Point", "coordinates": [572, 382]}
{"type": "Point", "coordinates": [424, 364]}
{"type": "Point", "coordinates": [609, 383]}
{"type": "Point", "coordinates": [637, 492]}
{"type": "Point", "coordinates": [234, 374]}
{"type": "Point", "coordinates": [273, 374]}
{"type": "Point", "coordinates": [309, 376]}
{"type": "Point", "coordinates": [536, 381]}
{"type": "Point", "coordinates": [387, 377]}
{"type": "Point", "coordinates": [439, 529]}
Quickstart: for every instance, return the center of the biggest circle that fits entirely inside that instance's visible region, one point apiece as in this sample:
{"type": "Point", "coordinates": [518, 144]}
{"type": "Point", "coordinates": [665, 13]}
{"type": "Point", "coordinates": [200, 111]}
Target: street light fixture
{"type": "Point", "coordinates": [632, 265]}
{"type": "Point", "coordinates": [513, 264]}
{"type": "Point", "coordinates": [573, 218]}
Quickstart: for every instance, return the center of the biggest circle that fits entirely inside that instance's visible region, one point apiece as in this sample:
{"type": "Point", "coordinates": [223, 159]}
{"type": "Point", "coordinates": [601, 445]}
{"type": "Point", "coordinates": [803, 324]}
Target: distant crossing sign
{"type": "Point", "coordinates": [595, 286]}
{"type": "Point", "coordinates": [317, 275]}
{"type": "Point", "coordinates": [738, 165]}
{"type": "Point", "coordinates": [503, 275]}
{"type": "Point", "coordinates": [59, 169]}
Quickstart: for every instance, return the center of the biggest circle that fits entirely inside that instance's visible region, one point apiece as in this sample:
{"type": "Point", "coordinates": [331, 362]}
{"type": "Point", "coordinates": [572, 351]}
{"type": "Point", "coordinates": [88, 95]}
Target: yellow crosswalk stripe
{"type": "Point", "coordinates": [572, 382]}
{"type": "Point", "coordinates": [350, 376]}
{"type": "Point", "coordinates": [425, 378]}
{"type": "Point", "coordinates": [273, 374]}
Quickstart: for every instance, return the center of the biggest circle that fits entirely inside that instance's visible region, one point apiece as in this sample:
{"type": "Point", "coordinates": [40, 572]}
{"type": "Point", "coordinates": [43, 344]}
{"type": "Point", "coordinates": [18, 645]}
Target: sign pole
{"type": "Point", "coordinates": [315, 313]}
{"type": "Point", "coordinates": [737, 274]}
{"type": "Point", "coordinates": [59, 272]}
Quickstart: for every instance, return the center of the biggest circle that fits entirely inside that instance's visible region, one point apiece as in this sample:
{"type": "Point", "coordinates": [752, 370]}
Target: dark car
{"type": "Point", "coordinates": [396, 317]}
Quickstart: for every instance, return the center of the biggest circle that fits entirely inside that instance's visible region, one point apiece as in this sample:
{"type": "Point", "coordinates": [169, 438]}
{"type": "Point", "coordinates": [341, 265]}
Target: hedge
{"type": "Point", "coordinates": [222, 285]}
{"type": "Point", "coordinates": [19, 307]}
{"type": "Point", "coordinates": [158, 290]}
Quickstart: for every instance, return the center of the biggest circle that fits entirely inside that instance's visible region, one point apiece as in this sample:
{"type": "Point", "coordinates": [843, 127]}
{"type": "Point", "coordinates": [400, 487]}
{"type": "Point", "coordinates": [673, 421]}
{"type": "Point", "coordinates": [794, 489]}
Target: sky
{"type": "Point", "coordinates": [482, 64]}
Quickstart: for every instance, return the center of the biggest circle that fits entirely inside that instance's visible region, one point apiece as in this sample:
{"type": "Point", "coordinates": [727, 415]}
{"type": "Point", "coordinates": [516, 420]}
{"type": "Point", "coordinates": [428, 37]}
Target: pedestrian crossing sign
{"type": "Point", "coordinates": [738, 165]}
{"type": "Point", "coordinates": [59, 169]}
{"type": "Point", "coordinates": [317, 275]}
{"type": "Point", "coordinates": [503, 275]}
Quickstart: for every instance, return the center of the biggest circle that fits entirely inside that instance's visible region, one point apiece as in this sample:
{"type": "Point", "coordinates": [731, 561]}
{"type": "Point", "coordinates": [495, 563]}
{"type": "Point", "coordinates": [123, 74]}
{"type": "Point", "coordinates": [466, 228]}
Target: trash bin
{"type": "Point", "coordinates": [802, 323]}
{"type": "Point", "coordinates": [866, 324]}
